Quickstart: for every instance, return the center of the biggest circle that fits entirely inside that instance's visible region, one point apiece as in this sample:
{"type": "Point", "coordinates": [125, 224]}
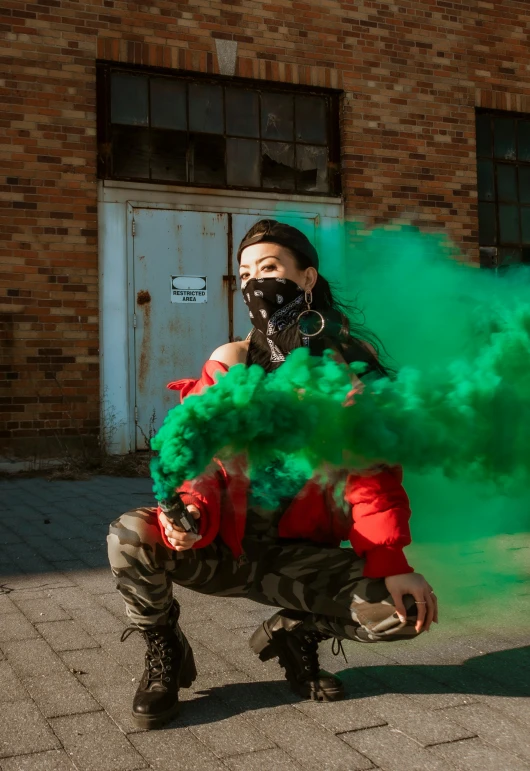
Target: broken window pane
{"type": "Point", "coordinates": [130, 152]}
{"type": "Point", "coordinates": [484, 135]}
{"type": "Point", "coordinates": [524, 184]}
{"type": "Point", "coordinates": [128, 99]}
{"type": "Point", "coordinates": [312, 169]}
{"type": "Point", "coordinates": [277, 116]}
{"type": "Point", "coordinates": [243, 162]}
{"type": "Point", "coordinates": [523, 140]}
{"type": "Point", "coordinates": [242, 112]}
{"type": "Point", "coordinates": [506, 182]}
{"type": "Point", "coordinates": [206, 108]}
{"type": "Point", "coordinates": [504, 145]}
{"type": "Point", "coordinates": [168, 155]}
{"type": "Point", "coordinates": [485, 182]}
{"type": "Point", "coordinates": [311, 119]}
{"type": "Point", "coordinates": [508, 224]}
{"type": "Point", "coordinates": [508, 255]}
{"type": "Point", "coordinates": [168, 104]}
{"type": "Point", "coordinates": [207, 159]}
{"type": "Point", "coordinates": [277, 165]}
{"type": "Point", "coordinates": [487, 224]}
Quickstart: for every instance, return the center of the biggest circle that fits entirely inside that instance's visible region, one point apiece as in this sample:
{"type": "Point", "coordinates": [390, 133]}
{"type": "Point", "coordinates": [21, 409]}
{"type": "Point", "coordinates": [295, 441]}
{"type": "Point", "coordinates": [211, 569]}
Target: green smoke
{"type": "Point", "coordinates": [456, 416]}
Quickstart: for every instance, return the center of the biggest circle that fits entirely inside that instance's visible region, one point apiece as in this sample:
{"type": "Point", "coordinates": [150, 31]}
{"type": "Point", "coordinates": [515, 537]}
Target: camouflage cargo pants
{"type": "Point", "coordinates": [325, 582]}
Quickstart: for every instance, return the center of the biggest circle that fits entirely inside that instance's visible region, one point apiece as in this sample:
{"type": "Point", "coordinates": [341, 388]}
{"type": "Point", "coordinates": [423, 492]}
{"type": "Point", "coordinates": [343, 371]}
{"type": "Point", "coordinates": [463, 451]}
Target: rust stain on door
{"type": "Point", "coordinates": [143, 299]}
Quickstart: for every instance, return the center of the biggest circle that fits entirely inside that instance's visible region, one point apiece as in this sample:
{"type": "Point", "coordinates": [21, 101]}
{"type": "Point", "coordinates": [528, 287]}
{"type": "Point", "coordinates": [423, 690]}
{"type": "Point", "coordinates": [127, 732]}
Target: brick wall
{"type": "Point", "coordinates": [412, 73]}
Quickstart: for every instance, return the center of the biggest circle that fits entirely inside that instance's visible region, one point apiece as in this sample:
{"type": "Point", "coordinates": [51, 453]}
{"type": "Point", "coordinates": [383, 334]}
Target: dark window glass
{"type": "Point", "coordinates": [523, 140]}
{"type": "Point", "coordinates": [210, 131]}
{"type": "Point", "coordinates": [277, 165]}
{"type": "Point", "coordinates": [168, 155]}
{"type": "Point", "coordinates": [168, 104]}
{"type": "Point", "coordinates": [310, 119]}
{"type": "Point", "coordinates": [525, 224]}
{"type": "Point", "coordinates": [508, 255]}
{"type": "Point", "coordinates": [524, 184]}
{"type": "Point", "coordinates": [207, 159]}
{"type": "Point", "coordinates": [485, 181]}
{"type": "Point", "coordinates": [484, 135]}
{"type": "Point", "coordinates": [487, 224]}
{"type": "Point", "coordinates": [277, 116]}
{"type": "Point", "coordinates": [504, 138]}
{"type": "Point", "coordinates": [242, 112]}
{"type": "Point", "coordinates": [312, 168]}
{"type": "Point", "coordinates": [243, 162]}
{"type": "Point", "coordinates": [206, 108]}
{"type": "Point", "coordinates": [130, 152]}
{"type": "Point", "coordinates": [508, 224]}
{"type": "Point", "coordinates": [129, 101]}
{"type": "Point", "coordinates": [506, 182]}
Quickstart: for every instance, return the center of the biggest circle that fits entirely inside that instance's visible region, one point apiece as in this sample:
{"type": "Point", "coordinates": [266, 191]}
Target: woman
{"type": "Point", "coordinates": [289, 557]}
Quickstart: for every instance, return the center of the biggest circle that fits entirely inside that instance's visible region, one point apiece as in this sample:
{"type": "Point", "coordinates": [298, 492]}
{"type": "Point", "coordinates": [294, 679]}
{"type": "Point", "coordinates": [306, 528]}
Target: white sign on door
{"type": "Point", "coordinates": [188, 289]}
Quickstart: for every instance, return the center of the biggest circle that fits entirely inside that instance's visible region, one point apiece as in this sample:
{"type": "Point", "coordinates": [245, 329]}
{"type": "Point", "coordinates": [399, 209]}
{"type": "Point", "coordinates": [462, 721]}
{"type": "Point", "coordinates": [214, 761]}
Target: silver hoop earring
{"type": "Point", "coordinates": [307, 312]}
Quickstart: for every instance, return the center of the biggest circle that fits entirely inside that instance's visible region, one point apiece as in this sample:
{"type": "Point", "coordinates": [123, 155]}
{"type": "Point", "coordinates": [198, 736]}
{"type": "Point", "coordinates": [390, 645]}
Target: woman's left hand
{"type": "Point", "coordinates": [426, 601]}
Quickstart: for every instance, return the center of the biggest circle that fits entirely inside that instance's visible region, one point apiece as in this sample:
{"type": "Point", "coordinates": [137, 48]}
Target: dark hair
{"type": "Point", "coordinates": [356, 342]}
{"type": "Point", "coordinates": [352, 340]}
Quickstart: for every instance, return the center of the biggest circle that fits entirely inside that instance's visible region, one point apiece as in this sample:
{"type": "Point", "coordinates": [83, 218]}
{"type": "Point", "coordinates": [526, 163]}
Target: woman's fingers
{"type": "Point", "coordinates": [194, 511]}
{"type": "Point", "coordinates": [177, 536]}
{"type": "Point", "coordinates": [183, 541]}
{"type": "Point", "coordinates": [426, 604]}
{"type": "Point", "coordinates": [421, 604]}
{"type": "Point", "coordinates": [400, 607]}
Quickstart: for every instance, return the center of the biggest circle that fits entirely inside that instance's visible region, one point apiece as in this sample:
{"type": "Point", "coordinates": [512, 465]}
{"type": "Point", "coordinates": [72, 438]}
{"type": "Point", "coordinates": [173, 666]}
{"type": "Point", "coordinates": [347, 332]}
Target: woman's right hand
{"type": "Point", "coordinates": [177, 536]}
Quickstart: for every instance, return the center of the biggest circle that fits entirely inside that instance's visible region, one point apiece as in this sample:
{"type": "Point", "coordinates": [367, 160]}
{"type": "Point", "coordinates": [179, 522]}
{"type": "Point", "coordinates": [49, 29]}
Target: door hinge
{"type": "Point", "coordinates": [133, 227]}
{"type": "Point", "coordinates": [232, 282]}
{"type": "Point", "coordinates": [134, 320]}
{"type": "Point", "coordinates": [135, 414]}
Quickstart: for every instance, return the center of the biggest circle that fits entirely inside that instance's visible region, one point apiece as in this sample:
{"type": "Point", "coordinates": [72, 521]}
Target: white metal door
{"type": "Point", "coordinates": [241, 223]}
{"type": "Point", "coordinates": [174, 333]}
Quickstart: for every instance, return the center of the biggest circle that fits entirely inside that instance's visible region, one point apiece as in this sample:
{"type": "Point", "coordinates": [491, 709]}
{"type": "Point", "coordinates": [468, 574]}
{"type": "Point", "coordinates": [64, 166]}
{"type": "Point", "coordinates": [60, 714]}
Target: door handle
{"type": "Point", "coordinates": [232, 282]}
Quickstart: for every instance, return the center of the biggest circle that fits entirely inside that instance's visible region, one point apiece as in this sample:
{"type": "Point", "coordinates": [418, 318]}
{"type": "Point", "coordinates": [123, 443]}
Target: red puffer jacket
{"type": "Point", "coordinates": [374, 519]}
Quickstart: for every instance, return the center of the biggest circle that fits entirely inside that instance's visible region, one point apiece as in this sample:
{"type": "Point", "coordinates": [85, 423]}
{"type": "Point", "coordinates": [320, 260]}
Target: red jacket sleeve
{"type": "Point", "coordinates": [381, 513]}
{"type": "Point", "coordinates": [204, 493]}
{"type": "Point", "coordinates": [190, 386]}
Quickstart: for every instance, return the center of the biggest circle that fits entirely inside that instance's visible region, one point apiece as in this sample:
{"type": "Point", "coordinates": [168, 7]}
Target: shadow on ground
{"type": "Point", "coordinates": [493, 674]}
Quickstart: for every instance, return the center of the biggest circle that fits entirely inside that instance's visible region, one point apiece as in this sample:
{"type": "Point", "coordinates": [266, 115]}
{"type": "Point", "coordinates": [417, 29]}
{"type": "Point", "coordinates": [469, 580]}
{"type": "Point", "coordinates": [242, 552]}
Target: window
{"type": "Point", "coordinates": [503, 173]}
{"type": "Point", "coordinates": [217, 133]}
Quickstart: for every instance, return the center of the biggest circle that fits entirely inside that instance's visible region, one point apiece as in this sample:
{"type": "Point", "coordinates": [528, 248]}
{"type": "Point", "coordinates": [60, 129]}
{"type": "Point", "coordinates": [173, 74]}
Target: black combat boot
{"type": "Point", "coordinates": [286, 636]}
{"type": "Point", "coordinates": [169, 665]}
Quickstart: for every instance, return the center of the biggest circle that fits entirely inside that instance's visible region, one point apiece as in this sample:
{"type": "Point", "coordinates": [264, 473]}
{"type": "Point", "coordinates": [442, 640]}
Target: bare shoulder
{"type": "Point", "coordinates": [231, 353]}
{"type": "Point", "coordinates": [369, 347]}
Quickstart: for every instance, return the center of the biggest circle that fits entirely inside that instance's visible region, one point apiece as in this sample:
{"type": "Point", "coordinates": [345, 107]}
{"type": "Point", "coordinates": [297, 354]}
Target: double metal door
{"type": "Point", "coordinates": [183, 290]}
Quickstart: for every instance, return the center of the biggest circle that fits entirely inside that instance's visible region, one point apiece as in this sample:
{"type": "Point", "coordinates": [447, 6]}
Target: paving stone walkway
{"type": "Point", "coordinates": [456, 698]}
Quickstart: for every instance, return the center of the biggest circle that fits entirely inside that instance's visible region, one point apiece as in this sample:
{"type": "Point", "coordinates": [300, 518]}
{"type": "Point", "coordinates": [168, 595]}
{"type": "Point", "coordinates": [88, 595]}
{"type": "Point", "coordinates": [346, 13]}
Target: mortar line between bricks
{"type": "Point", "coordinates": [90, 694]}
{"type": "Point", "coordinates": [486, 739]}
{"type": "Point", "coordinates": [208, 747]}
{"type": "Point", "coordinates": [452, 741]}
{"type": "Point", "coordinates": [353, 730]}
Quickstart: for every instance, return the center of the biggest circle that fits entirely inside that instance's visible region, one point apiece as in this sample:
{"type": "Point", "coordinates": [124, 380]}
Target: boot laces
{"type": "Point", "coordinates": [309, 649]}
{"type": "Point", "coordinates": [337, 647]}
{"type": "Point", "coordinates": [158, 658]}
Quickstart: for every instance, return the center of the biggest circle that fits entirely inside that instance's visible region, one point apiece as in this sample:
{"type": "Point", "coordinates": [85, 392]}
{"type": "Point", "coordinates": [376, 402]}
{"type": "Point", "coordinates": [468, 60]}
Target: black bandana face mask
{"type": "Point", "coordinates": [274, 304]}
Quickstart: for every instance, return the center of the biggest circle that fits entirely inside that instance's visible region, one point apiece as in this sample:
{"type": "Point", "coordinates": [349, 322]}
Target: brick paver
{"type": "Point", "coordinates": [454, 700]}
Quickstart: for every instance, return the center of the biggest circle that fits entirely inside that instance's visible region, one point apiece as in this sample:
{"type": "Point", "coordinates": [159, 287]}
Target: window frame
{"type": "Point", "coordinates": [490, 256]}
{"type": "Point", "coordinates": [105, 69]}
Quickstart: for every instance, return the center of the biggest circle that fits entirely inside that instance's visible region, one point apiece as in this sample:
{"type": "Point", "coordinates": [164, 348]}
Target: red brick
{"type": "Point", "coordinates": [412, 74]}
